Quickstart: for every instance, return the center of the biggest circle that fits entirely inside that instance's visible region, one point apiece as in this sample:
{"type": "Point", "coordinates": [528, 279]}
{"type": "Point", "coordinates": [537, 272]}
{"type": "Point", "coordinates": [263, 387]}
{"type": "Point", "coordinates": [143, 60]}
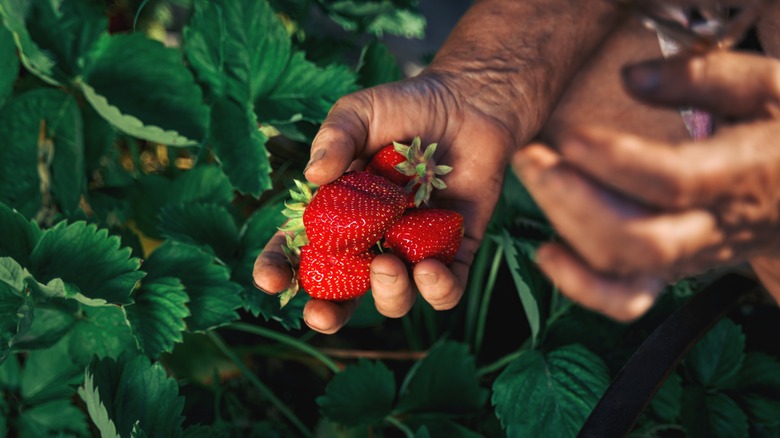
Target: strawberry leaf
{"type": "Point", "coordinates": [89, 258]}
{"type": "Point", "coordinates": [49, 374]}
{"type": "Point", "coordinates": [53, 418]}
{"type": "Point", "coordinates": [396, 17]}
{"type": "Point", "coordinates": [130, 391]}
{"type": "Point", "coordinates": [717, 358]}
{"type": "Point", "coordinates": [214, 299]}
{"type": "Point", "coordinates": [207, 184]}
{"type": "Point", "coordinates": [377, 66]}
{"type": "Point", "coordinates": [362, 394]}
{"type": "Point", "coordinates": [51, 321]}
{"type": "Point", "coordinates": [9, 63]}
{"type": "Point", "coordinates": [304, 92]}
{"type": "Point", "coordinates": [240, 146]}
{"type": "Point", "coordinates": [756, 388]}
{"type": "Point", "coordinates": [713, 415]}
{"type": "Point", "coordinates": [43, 123]}
{"type": "Point", "coordinates": [519, 267]}
{"type": "Point", "coordinates": [444, 381]}
{"type": "Point", "coordinates": [153, 97]}
{"type": "Point", "coordinates": [18, 236]}
{"type": "Point", "coordinates": [209, 226]}
{"type": "Point", "coordinates": [102, 332]}
{"type": "Point", "coordinates": [16, 306]}
{"type": "Point", "coordinates": [54, 36]}
{"type": "Point", "coordinates": [157, 316]}
{"type": "Point", "coordinates": [549, 394]}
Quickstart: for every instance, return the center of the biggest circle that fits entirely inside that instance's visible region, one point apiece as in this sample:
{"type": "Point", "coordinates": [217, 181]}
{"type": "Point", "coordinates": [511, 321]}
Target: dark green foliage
{"type": "Point", "coordinates": [139, 182]}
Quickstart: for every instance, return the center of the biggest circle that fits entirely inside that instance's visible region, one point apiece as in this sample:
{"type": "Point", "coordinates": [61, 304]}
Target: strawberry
{"type": "Point", "coordinates": [426, 233]}
{"type": "Point", "coordinates": [350, 214]}
{"type": "Point", "coordinates": [410, 167]}
{"type": "Point", "coordinates": [334, 277]}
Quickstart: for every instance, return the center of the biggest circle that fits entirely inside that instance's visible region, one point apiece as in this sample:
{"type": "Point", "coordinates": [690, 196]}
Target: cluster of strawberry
{"type": "Point", "coordinates": [333, 234]}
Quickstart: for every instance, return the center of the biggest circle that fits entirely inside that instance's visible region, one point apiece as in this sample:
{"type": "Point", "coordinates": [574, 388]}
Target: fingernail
{"type": "Point", "coordinates": [385, 278]}
{"type": "Point", "coordinates": [642, 78]}
{"type": "Point", "coordinates": [314, 158]}
{"type": "Point", "coordinates": [426, 279]}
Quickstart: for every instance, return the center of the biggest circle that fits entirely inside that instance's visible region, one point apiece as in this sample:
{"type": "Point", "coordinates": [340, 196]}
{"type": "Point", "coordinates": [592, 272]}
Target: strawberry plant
{"type": "Point", "coordinates": [146, 152]}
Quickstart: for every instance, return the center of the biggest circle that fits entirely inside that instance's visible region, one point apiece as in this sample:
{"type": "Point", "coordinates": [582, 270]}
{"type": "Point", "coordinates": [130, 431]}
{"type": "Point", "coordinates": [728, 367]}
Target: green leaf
{"type": "Point", "coordinates": [716, 359]}
{"type": "Point", "coordinates": [99, 137]}
{"type": "Point", "coordinates": [16, 306]}
{"type": "Point", "coordinates": [667, 402]}
{"type": "Point", "coordinates": [153, 97]}
{"type": "Point", "coordinates": [377, 65]}
{"type": "Point", "coordinates": [240, 146]}
{"type": "Point", "coordinates": [157, 317]}
{"type": "Point", "coordinates": [549, 394]}
{"type": "Point", "coordinates": [53, 418]}
{"type": "Point", "coordinates": [42, 124]}
{"type": "Point", "coordinates": [202, 184]}
{"type": "Point", "coordinates": [10, 375]}
{"type": "Point", "coordinates": [362, 394]}
{"type": "Point", "coordinates": [131, 390]}
{"type": "Point", "coordinates": [305, 92]}
{"type": "Point", "coordinates": [712, 415]}
{"type": "Point", "coordinates": [89, 258]}
{"type": "Point", "coordinates": [261, 226]}
{"type": "Point", "coordinates": [396, 17]}
{"type": "Point", "coordinates": [444, 381]}
{"type": "Point", "coordinates": [49, 374]}
{"type": "Point", "coordinates": [269, 307]}
{"type": "Point", "coordinates": [209, 226]}
{"type": "Point", "coordinates": [213, 297]}
{"type": "Point", "coordinates": [50, 323]}
{"type": "Point", "coordinates": [238, 48]}
{"type": "Point", "coordinates": [101, 332]}
{"type": "Point", "coordinates": [756, 388]}
{"type": "Point", "coordinates": [9, 63]}
{"type": "Point", "coordinates": [54, 36]}
{"type": "Point", "coordinates": [18, 236]}
{"type": "Point", "coordinates": [521, 274]}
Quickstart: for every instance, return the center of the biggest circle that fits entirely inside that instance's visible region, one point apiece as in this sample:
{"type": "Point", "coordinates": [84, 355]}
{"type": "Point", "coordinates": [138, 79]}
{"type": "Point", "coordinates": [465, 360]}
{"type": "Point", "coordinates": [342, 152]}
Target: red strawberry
{"type": "Point", "coordinates": [350, 214]}
{"type": "Point", "coordinates": [335, 277]}
{"type": "Point", "coordinates": [410, 167]}
{"type": "Point", "coordinates": [426, 233]}
{"type": "Point", "coordinates": [383, 164]}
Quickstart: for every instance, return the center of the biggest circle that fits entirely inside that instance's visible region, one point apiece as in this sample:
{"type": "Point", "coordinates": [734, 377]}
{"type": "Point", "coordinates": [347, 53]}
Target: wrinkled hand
{"type": "Point", "coordinates": [476, 143]}
{"type": "Point", "coordinates": [635, 213]}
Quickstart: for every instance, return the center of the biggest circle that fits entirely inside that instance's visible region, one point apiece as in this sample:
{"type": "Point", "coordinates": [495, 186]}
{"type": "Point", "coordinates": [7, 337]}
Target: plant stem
{"type": "Point", "coordinates": [500, 363]}
{"type": "Point", "coordinates": [402, 427]}
{"type": "Point", "coordinates": [474, 291]}
{"type": "Point", "coordinates": [287, 340]}
{"type": "Point", "coordinates": [260, 386]}
{"type": "Point", "coordinates": [488, 294]}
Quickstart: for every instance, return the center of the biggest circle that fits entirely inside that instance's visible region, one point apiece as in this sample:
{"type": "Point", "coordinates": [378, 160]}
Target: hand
{"type": "Point", "coordinates": [476, 143]}
{"type": "Point", "coordinates": [635, 213]}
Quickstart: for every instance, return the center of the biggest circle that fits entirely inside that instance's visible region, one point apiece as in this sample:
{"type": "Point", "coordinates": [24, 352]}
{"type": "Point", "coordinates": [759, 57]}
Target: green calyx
{"type": "Point", "coordinates": [420, 164]}
{"type": "Point", "coordinates": [294, 233]}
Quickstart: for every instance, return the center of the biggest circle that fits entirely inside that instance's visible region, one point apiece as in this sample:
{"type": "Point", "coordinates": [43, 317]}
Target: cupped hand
{"type": "Point", "coordinates": [472, 138]}
{"type": "Point", "coordinates": [635, 213]}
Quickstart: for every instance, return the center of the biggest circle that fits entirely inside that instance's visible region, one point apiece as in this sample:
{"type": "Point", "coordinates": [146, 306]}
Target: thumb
{"type": "Point", "coordinates": [340, 140]}
{"type": "Point", "coordinates": [725, 83]}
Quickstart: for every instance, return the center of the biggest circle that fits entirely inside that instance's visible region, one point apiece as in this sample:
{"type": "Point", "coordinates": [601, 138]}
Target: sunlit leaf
{"type": "Point", "coordinates": [89, 258]}
{"type": "Point", "coordinates": [153, 96]}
